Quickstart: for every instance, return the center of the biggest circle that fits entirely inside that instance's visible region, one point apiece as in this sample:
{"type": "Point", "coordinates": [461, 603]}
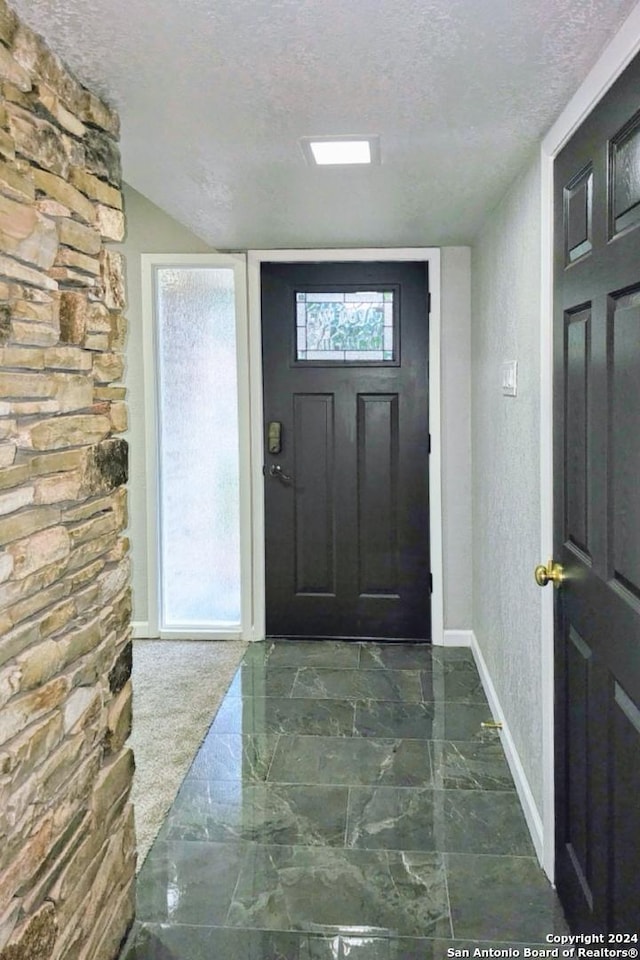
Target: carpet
{"type": "Point", "coordinates": [177, 688]}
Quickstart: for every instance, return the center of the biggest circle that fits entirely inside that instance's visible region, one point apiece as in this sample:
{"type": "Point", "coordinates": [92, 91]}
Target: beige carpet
{"type": "Point", "coordinates": [177, 687]}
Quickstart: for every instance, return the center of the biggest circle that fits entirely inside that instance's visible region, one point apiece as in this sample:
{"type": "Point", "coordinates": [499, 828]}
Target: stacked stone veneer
{"type": "Point", "coordinates": [66, 831]}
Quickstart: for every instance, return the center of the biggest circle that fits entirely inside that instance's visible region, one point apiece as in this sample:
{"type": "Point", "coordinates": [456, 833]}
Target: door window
{"type": "Point", "coordinates": [345, 326]}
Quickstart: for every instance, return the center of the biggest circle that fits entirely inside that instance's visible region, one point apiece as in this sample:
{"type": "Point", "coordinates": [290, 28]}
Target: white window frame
{"type": "Point", "coordinates": [150, 263]}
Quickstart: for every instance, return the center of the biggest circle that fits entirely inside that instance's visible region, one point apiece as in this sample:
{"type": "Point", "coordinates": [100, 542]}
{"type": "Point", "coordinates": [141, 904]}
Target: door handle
{"type": "Point", "coordinates": [275, 470]}
{"type": "Point", "coordinates": [552, 571]}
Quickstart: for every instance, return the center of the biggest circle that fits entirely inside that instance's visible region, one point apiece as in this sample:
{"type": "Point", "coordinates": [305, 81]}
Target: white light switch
{"type": "Point", "coordinates": [510, 378]}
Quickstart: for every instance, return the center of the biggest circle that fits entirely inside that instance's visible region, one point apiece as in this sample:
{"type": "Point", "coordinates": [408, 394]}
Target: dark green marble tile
{"type": "Point", "coordinates": [394, 818]}
{"type": "Point", "coordinates": [256, 715]}
{"type": "Point", "coordinates": [351, 760]}
{"type": "Point", "coordinates": [455, 681]}
{"type": "Point", "coordinates": [231, 756]}
{"type": "Point", "coordinates": [262, 680]}
{"type": "Point", "coordinates": [304, 653]}
{"type": "Point", "coordinates": [426, 721]}
{"type": "Point", "coordinates": [400, 685]}
{"type": "Point", "coordinates": [455, 821]}
{"type": "Point", "coordinates": [395, 656]}
{"type": "Point", "coordinates": [470, 765]}
{"type": "Point", "coordinates": [262, 813]}
{"type": "Point", "coordinates": [447, 654]}
{"type": "Point", "coordinates": [420, 949]}
{"type": "Point", "coordinates": [282, 783]}
{"type": "Point", "coordinates": [379, 718]}
{"type": "Point", "coordinates": [501, 898]}
{"type": "Point", "coordinates": [479, 821]}
{"type": "Point", "coordinates": [192, 883]}
{"type": "Point", "coordinates": [236, 715]}
{"type": "Point", "coordinates": [163, 942]}
{"type": "Point", "coordinates": [505, 948]}
{"type": "Point", "coordinates": [460, 721]}
{"type": "Point", "coordinates": [325, 890]}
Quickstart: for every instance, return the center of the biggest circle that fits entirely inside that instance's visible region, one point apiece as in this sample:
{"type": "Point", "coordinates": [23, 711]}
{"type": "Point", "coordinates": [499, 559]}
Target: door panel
{"type": "Point", "coordinates": [625, 790]}
{"type": "Point", "coordinates": [577, 336]}
{"type": "Point", "coordinates": [597, 514]}
{"type": "Point", "coordinates": [347, 537]}
{"type": "Point", "coordinates": [625, 419]}
{"type": "Point", "coordinates": [378, 494]}
{"type": "Point", "coordinates": [314, 494]}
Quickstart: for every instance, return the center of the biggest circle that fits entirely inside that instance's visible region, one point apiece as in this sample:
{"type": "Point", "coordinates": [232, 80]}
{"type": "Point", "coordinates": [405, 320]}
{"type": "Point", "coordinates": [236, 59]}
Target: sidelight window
{"type": "Point", "coordinates": [198, 445]}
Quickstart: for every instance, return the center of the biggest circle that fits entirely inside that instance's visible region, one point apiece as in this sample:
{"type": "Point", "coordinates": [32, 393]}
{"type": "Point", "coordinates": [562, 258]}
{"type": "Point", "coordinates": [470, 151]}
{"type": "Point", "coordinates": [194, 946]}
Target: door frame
{"type": "Point", "coordinates": [255, 258]}
{"type": "Point", "coordinates": [612, 62]}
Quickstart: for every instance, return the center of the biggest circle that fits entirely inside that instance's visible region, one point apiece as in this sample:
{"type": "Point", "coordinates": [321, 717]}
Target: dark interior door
{"type": "Point", "coordinates": [597, 508]}
{"type": "Point", "coordinates": [346, 449]}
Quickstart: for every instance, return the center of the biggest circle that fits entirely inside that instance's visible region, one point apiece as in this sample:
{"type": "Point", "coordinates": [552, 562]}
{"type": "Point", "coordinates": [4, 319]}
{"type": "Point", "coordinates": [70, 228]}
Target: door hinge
{"type": "Point", "coordinates": [429, 444]}
{"type": "Point", "coordinates": [430, 583]}
{"type": "Point", "coordinates": [429, 303]}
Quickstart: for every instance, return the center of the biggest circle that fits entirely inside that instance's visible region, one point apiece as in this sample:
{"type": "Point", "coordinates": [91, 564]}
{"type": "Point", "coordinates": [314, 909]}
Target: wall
{"type": "Point", "coordinates": [67, 846]}
{"type": "Point", "coordinates": [505, 456]}
{"type": "Point", "coordinates": [456, 436]}
{"type": "Point", "coordinates": [149, 230]}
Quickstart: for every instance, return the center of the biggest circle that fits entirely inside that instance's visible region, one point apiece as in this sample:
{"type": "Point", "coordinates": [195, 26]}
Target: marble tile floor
{"type": "Point", "coordinates": [346, 803]}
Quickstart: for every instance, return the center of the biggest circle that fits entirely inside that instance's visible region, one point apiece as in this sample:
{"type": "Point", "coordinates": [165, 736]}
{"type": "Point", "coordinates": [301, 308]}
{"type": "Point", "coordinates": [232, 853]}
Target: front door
{"type": "Point", "coordinates": [597, 511]}
{"type": "Point", "coordinates": [346, 450]}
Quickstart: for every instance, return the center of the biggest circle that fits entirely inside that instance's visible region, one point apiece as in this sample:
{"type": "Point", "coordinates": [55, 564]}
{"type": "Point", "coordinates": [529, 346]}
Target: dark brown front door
{"type": "Point", "coordinates": [597, 510]}
{"type": "Point", "coordinates": [346, 449]}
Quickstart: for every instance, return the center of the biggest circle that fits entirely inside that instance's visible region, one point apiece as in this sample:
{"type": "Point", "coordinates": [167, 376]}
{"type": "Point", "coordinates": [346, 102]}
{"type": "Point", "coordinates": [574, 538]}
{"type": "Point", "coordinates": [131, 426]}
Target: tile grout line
{"type": "Point", "coordinates": [445, 867]}
{"type": "Point", "coordinates": [346, 819]}
{"type": "Point", "coordinates": [275, 748]}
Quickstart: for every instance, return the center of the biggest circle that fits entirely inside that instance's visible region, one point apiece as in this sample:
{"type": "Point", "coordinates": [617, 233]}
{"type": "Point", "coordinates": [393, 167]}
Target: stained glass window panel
{"type": "Point", "coordinates": [345, 327]}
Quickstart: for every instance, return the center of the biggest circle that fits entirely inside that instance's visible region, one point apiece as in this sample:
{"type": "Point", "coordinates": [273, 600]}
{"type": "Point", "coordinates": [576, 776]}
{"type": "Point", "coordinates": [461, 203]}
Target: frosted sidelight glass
{"type": "Point", "coordinates": [199, 468]}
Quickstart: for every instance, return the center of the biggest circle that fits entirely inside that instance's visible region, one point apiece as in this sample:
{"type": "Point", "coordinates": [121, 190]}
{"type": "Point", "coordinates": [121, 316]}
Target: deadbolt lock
{"type": "Point", "coordinates": [274, 437]}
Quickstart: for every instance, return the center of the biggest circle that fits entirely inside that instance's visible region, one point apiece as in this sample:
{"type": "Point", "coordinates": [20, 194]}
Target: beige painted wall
{"type": "Point", "coordinates": [149, 230]}
{"type": "Point", "coordinates": [505, 455]}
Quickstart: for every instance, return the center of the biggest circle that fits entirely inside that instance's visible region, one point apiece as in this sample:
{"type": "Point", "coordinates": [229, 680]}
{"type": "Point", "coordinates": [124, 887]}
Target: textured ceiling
{"type": "Point", "coordinates": [215, 94]}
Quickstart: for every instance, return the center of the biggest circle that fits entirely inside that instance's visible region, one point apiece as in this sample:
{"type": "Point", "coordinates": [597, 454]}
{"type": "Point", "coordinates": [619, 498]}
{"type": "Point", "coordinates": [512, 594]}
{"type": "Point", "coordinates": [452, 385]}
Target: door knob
{"type": "Point", "coordinates": [552, 571]}
{"type": "Point", "coordinates": [275, 470]}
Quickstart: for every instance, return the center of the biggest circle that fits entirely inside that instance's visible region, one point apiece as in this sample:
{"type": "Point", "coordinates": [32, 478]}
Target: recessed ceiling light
{"type": "Point", "coordinates": [332, 151]}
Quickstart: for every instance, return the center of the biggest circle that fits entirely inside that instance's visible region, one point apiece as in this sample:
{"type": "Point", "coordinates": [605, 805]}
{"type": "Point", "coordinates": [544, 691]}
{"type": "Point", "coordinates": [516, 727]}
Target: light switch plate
{"type": "Point", "coordinates": [510, 378]}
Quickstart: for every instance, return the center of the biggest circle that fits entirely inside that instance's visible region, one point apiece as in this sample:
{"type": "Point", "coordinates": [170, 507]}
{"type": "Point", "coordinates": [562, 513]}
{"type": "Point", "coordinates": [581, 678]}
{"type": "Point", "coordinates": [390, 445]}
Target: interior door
{"type": "Point", "coordinates": [346, 450]}
{"type": "Point", "coordinates": [597, 510]}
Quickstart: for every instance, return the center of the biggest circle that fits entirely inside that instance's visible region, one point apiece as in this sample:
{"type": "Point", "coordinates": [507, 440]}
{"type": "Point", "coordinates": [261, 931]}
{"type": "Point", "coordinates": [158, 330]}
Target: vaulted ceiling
{"type": "Point", "coordinates": [214, 96]}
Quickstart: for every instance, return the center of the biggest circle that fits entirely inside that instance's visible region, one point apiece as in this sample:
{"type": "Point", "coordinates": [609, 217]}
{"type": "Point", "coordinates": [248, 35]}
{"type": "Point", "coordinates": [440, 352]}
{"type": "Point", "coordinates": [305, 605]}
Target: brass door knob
{"type": "Point", "coordinates": [552, 571]}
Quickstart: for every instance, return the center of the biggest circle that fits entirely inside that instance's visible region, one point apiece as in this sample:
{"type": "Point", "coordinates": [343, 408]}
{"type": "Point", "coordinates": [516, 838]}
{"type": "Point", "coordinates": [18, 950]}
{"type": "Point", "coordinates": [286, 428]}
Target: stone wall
{"type": "Point", "coordinates": [66, 827]}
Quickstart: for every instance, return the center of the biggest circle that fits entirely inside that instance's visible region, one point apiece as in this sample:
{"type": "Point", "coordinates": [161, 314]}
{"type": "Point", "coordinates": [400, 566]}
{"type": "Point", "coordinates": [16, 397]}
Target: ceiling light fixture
{"type": "Point", "coordinates": [340, 151]}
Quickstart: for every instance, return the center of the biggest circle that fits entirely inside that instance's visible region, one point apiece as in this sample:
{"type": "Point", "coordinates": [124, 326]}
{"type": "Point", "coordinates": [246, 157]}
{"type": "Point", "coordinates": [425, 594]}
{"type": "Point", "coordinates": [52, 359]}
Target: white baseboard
{"type": "Point", "coordinates": [529, 808]}
{"type": "Point", "coordinates": [457, 638]}
{"type": "Point", "coordinates": [141, 630]}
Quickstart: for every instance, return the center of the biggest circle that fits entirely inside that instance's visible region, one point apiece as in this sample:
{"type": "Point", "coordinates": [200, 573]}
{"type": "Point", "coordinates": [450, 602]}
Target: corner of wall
{"type": "Point", "coordinates": [456, 436]}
